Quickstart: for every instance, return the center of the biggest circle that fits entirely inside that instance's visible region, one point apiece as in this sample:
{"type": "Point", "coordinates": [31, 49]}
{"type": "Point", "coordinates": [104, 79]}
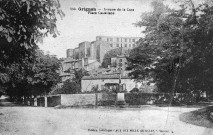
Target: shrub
{"type": "Point", "coordinates": [69, 87]}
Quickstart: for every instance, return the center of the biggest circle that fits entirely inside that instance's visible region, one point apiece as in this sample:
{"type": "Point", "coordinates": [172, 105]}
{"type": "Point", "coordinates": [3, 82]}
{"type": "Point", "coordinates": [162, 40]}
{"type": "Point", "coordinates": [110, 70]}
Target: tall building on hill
{"type": "Point", "coordinates": [115, 42]}
{"type": "Point", "coordinates": [98, 48]}
{"type": "Point", "coordinates": [90, 55]}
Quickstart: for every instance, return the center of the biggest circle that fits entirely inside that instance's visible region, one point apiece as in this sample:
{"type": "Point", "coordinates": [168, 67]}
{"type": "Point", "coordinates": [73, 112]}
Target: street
{"type": "Point", "coordinates": [148, 120]}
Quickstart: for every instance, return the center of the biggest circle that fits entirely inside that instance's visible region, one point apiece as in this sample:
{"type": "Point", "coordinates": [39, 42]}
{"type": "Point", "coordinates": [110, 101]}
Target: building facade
{"type": "Point", "coordinates": [109, 82]}
{"type": "Point", "coordinates": [115, 42]}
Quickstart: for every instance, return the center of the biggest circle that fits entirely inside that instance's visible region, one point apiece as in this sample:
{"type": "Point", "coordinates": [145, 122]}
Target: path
{"type": "Point", "coordinates": [45, 121]}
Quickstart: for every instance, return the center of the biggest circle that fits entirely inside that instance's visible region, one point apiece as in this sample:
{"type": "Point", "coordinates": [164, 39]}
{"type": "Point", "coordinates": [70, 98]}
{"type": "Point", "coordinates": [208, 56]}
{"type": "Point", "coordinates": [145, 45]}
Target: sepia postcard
{"type": "Point", "coordinates": [106, 67]}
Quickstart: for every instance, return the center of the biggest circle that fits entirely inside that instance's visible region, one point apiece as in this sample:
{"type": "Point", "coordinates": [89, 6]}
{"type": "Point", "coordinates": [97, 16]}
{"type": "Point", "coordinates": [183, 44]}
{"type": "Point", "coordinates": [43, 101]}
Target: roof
{"type": "Point", "coordinates": [104, 76]}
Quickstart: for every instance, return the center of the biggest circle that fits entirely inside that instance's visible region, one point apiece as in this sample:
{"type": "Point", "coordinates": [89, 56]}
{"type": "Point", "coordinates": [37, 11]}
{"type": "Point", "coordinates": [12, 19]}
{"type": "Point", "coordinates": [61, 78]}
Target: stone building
{"type": "Point", "coordinates": [90, 55]}
{"type": "Point", "coordinates": [98, 48]}
{"type": "Point", "coordinates": [119, 62]}
{"type": "Point", "coordinates": [107, 81]}
{"type": "Point", "coordinates": [115, 42]}
{"type": "Point", "coordinates": [68, 65]}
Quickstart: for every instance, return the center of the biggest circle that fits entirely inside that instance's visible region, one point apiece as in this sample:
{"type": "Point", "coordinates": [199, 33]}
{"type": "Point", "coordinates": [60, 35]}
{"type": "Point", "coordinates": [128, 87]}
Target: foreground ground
{"type": "Point", "coordinates": [147, 120]}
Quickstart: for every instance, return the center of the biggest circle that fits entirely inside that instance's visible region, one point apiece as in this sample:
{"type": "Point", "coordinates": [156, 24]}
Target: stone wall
{"type": "Point", "coordinates": [78, 99]}
{"type": "Point", "coordinates": [110, 99]}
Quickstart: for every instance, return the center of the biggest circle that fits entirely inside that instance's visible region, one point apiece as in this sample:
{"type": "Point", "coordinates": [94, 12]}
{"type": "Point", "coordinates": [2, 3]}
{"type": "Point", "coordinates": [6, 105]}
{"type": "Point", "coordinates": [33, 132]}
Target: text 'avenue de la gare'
{"type": "Point", "coordinates": [109, 11]}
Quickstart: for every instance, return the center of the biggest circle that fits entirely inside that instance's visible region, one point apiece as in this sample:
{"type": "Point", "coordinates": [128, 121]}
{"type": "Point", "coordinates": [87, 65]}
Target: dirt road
{"type": "Point", "coordinates": [83, 121]}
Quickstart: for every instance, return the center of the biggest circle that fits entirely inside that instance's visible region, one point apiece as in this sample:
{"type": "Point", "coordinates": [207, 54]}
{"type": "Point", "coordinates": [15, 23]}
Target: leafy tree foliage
{"type": "Point", "coordinates": [79, 74]}
{"type": "Point", "coordinates": [44, 71]}
{"type": "Point", "coordinates": [22, 24]}
{"type": "Point", "coordinates": [33, 78]}
{"type": "Point", "coordinates": [71, 86]}
{"type": "Point", "coordinates": [177, 48]}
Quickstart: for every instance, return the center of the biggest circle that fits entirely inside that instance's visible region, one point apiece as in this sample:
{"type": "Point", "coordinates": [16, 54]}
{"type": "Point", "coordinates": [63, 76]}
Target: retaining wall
{"type": "Point", "coordinates": [78, 99]}
{"type": "Point", "coordinates": [110, 99]}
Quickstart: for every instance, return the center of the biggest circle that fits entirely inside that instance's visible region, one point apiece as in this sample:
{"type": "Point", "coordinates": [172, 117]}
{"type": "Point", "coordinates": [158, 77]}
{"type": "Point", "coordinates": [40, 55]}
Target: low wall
{"type": "Point", "coordinates": [78, 99]}
{"type": "Point", "coordinates": [110, 99]}
{"type": "Point", "coordinates": [53, 101]}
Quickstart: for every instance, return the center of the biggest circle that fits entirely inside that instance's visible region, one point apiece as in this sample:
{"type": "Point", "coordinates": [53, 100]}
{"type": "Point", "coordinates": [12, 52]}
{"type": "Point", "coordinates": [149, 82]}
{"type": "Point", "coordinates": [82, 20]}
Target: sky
{"type": "Point", "coordinates": [79, 26]}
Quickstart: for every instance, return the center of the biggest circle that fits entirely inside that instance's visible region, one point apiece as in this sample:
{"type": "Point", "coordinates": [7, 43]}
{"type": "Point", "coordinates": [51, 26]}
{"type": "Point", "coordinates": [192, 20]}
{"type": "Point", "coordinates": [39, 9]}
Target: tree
{"type": "Point", "coordinates": [70, 87]}
{"type": "Point", "coordinates": [78, 75]}
{"type": "Point", "coordinates": [22, 24]}
{"type": "Point", "coordinates": [177, 48]}
{"type": "Point", "coordinates": [34, 78]}
{"type": "Point", "coordinates": [44, 73]}
{"type": "Point", "coordinates": [161, 46]}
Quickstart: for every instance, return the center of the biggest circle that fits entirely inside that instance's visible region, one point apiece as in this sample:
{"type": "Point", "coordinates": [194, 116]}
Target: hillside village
{"type": "Point", "coordinates": [90, 56]}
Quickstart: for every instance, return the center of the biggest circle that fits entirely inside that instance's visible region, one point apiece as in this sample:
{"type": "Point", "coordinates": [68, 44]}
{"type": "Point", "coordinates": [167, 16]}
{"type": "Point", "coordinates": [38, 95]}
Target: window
{"type": "Point", "coordinates": [130, 40]}
{"type": "Point", "coordinates": [110, 39]}
{"type": "Point", "coordinates": [133, 45]}
{"type": "Point", "coordinates": [121, 45]}
{"type": "Point", "coordinates": [111, 45]}
{"type": "Point", "coordinates": [117, 39]}
{"type": "Point", "coordinates": [133, 40]}
{"type": "Point", "coordinates": [120, 60]}
{"type": "Point", "coordinates": [117, 45]}
{"type": "Point", "coordinates": [125, 45]}
{"type": "Point", "coordinates": [129, 45]}
{"type": "Point", "coordinates": [99, 38]}
{"type": "Point", "coordinates": [125, 39]}
{"type": "Point", "coordinates": [107, 39]}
